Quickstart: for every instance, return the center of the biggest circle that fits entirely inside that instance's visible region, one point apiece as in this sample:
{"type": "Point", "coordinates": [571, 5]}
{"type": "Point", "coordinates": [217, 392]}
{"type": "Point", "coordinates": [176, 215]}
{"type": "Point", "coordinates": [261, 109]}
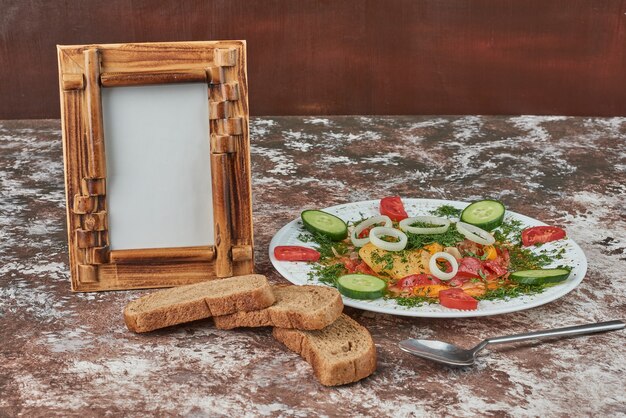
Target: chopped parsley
{"type": "Point", "coordinates": [525, 259]}
{"type": "Point", "coordinates": [357, 222]}
{"type": "Point", "coordinates": [419, 224]}
{"type": "Point", "coordinates": [448, 239]}
{"type": "Point", "coordinates": [415, 301]}
{"type": "Point", "coordinates": [324, 245]}
{"type": "Point", "coordinates": [447, 211]}
{"type": "Point", "coordinates": [509, 231]}
{"type": "Point", "coordinates": [511, 291]}
{"type": "Point", "coordinates": [559, 254]}
{"type": "Point", "coordinates": [384, 260]}
{"type": "Point", "coordinates": [327, 274]}
{"type": "Point", "coordinates": [474, 255]}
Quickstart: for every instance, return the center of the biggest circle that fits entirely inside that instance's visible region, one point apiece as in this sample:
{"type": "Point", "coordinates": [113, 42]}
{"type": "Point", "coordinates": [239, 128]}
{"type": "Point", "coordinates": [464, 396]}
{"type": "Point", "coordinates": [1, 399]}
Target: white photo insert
{"type": "Point", "coordinates": [158, 166]}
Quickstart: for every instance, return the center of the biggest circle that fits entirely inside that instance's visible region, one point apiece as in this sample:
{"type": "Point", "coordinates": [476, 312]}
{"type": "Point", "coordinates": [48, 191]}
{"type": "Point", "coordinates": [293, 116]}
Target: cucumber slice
{"type": "Point", "coordinates": [485, 214]}
{"type": "Point", "coordinates": [361, 286]}
{"type": "Point", "coordinates": [540, 276]}
{"type": "Point", "coordinates": [325, 224]}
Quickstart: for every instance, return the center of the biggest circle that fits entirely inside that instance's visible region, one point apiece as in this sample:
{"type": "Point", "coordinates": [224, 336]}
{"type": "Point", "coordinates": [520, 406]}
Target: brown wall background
{"type": "Point", "coordinates": [350, 57]}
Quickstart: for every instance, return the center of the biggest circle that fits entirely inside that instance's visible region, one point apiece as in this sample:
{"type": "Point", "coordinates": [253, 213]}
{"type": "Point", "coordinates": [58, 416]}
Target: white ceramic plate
{"type": "Point", "coordinates": [297, 272]}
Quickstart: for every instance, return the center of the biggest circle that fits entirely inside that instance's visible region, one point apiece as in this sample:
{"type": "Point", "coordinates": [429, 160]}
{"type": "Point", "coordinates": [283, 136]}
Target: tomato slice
{"type": "Point", "coordinates": [364, 268]}
{"type": "Point", "coordinates": [456, 298]}
{"type": "Point", "coordinates": [470, 267]}
{"type": "Point", "coordinates": [349, 264]}
{"type": "Point", "coordinates": [365, 233]}
{"type": "Point", "coordinates": [356, 266]}
{"type": "Point", "coordinates": [295, 253]}
{"type": "Point", "coordinates": [503, 258]}
{"type": "Point", "coordinates": [495, 267]}
{"type": "Point", "coordinates": [392, 206]}
{"type": "Point", "coordinates": [459, 280]}
{"type": "Point", "coordinates": [413, 280]}
{"type": "Point", "coordinates": [541, 235]}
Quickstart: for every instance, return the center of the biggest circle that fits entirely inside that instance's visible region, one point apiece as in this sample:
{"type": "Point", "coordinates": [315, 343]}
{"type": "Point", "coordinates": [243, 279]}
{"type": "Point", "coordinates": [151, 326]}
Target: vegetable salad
{"type": "Point", "coordinates": [451, 257]}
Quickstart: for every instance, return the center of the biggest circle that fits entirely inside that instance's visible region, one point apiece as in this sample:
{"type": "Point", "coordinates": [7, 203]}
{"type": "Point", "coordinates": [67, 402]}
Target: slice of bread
{"type": "Point", "coordinates": [197, 301]}
{"type": "Point", "coordinates": [341, 353]}
{"type": "Point", "coordinates": [301, 307]}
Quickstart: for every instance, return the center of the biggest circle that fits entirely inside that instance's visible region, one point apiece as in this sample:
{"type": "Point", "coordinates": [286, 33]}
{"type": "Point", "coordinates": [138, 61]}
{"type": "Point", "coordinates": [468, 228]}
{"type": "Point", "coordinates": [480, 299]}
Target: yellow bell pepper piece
{"type": "Point", "coordinates": [430, 291]}
{"type": "Point", "coordinates": [433, 248]}
{"type": "Point", "coordinates": [490, 252]}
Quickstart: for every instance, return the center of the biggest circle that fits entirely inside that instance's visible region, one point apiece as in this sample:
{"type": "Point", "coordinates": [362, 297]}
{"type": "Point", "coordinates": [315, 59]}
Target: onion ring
{"type": "Point", "coordinates": [474, 233]}
{"type": "Point", "coordinates": [443, 225]}
{"type": "Point", "coordinates": [436, 271]}
{"type": "Point", "coordinates": [359, 242]}
{"type": "Point", "coordinates": [389, 246]}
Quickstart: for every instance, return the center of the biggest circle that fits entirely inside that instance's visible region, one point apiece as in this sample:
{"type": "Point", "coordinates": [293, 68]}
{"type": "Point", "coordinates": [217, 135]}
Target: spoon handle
{"type": "Point", "coordinates": [559, 332]}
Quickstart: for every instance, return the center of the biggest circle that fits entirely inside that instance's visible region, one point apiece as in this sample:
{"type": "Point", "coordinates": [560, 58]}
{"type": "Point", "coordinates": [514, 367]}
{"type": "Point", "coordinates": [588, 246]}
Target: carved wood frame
{"type": "Point", "coordinates": [83, 71]}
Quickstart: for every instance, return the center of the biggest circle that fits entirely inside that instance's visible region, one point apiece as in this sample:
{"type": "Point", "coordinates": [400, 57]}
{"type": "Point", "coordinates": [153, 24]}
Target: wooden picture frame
{"type": "Point", "coordinates": [83, 71]}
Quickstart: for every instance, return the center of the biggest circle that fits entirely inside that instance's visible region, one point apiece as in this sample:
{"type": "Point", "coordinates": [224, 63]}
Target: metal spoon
{"type": "Point", "coordinates": [450, 354]}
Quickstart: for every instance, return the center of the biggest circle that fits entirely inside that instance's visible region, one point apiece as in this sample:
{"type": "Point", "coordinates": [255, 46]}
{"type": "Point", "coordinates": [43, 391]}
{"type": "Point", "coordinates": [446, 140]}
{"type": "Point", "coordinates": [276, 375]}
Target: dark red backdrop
{"type": "Point", "coordinates": [350, 57]}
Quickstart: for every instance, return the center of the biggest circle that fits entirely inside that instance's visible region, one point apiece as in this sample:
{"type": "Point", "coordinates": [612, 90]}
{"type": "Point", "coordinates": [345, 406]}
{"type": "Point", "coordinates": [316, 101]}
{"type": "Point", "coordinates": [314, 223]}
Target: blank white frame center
{"type": "Point", "coordinates": [159, 191]}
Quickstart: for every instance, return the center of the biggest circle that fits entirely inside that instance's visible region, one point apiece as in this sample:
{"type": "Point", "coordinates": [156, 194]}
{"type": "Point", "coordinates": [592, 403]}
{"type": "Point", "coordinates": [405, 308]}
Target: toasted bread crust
{"type": "Point", "coordinates": [329, 368]}
{"type": "Point", "coordinates": [198, 301]}
{"type": "Point", "coordinates": [327, 307]}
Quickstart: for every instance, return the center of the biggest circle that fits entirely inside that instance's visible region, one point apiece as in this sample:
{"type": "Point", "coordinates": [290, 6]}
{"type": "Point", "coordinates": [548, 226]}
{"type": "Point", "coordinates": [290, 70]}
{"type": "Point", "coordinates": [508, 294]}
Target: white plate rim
{"type": "Point", "coordinates": [282, 237]}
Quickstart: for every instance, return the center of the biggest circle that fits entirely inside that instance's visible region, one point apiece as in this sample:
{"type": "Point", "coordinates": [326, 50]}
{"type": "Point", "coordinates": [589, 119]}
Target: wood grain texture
{"type": "Point", "coordinates": [220, 176]}
{"type": "Point", "coordinates": [224, 143]}
{"type": "Point", "coordinates": [97, 221]}
{"type": "Point", "coordinates": [141, 276]}
{"type": "Point", "coordinates": [71, 103]}
{"type": "Point", "coordinates": [315, 57]}
{"type": "Point", "coordinates": [94, 266]}
{"type": "Point", "coordinates": [142, 79]}
{"type": "Point", "coordinates": [96, 164]}
{"type": "Point", "coordinates": [98, 255]}
{"type": "Point", "coordinates": [154, 255]}
{"type": "Point", "coordinates": [242, 252]}
{"type": "Point", "coordinates": [93, 186]}
{"type": "Point", "coordinates": [73, 81]}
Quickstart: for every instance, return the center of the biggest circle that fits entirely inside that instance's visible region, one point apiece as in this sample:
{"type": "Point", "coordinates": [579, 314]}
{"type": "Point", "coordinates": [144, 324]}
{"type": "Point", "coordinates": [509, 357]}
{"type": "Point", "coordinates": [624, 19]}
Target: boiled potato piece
{"type": "Point", "coordinates": [395, 264]}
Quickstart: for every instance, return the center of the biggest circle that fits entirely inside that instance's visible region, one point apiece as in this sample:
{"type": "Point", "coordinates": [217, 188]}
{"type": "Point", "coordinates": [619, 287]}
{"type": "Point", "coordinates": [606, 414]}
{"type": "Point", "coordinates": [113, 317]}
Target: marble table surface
{"type": "Point", "coordinates": [69, 354]}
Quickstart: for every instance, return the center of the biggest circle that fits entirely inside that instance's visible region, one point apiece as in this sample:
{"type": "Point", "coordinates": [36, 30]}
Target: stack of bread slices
{"type": "Point", "coordinates": [307, 319]}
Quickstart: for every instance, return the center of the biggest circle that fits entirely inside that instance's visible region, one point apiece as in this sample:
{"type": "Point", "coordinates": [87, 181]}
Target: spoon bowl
{"type": "Point", "coordinates": [440, 351]}
{"type": "Point", "coordinates": [453, 355]}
